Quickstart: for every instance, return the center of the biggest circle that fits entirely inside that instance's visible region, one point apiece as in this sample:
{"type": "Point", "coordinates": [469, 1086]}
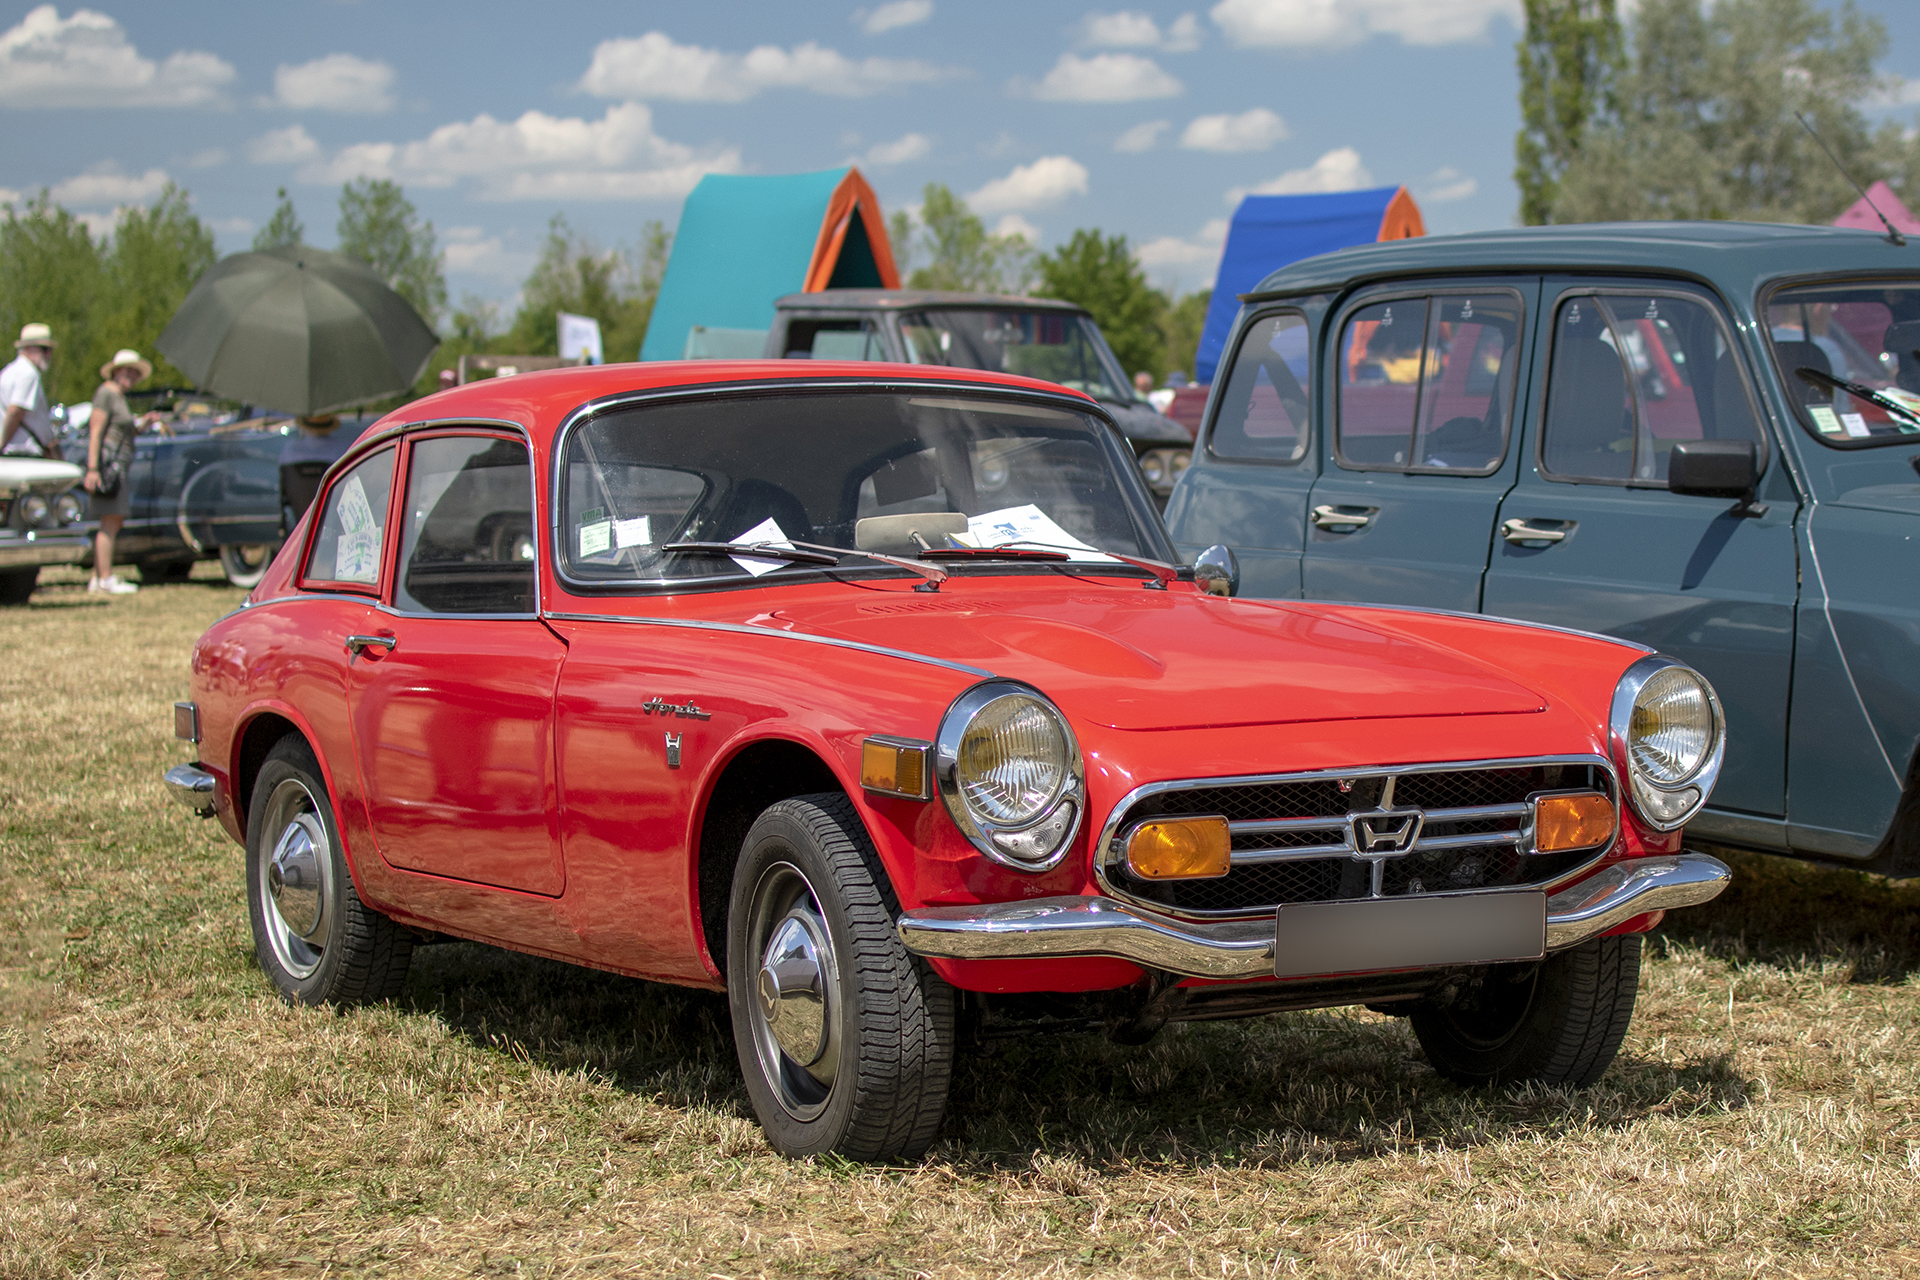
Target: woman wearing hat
{"type": "Point", "coordinates": [110, 431]}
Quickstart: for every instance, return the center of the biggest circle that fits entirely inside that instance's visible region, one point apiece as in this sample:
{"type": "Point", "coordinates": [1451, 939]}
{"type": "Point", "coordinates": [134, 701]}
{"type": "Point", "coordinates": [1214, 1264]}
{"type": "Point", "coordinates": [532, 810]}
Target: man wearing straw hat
{"type": "Point", "coordinates": [110, 431]}
{"type": "Point", "coordinates": [29, 420]}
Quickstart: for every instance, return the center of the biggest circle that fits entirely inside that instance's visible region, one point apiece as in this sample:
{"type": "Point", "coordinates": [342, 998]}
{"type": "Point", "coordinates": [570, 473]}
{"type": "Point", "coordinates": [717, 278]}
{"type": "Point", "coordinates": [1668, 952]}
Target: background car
{"type": "Point", "coordinates": [866, 693]}
{"type": "Point", "coordinates": [1699, 437]}
{"type": "Point", "coordinates": [42, 521]}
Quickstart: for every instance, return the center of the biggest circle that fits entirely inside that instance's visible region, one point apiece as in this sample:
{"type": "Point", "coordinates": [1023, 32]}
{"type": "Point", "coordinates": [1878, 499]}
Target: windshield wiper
{"type": "Point", "coordinates": [1821, 378]}
{"type": "Point", "coordinates": [1024, 549]}
{"type": "Point", "coordinates": [754, 551]}
{"type": "Point", "coordinates": [991, 553]}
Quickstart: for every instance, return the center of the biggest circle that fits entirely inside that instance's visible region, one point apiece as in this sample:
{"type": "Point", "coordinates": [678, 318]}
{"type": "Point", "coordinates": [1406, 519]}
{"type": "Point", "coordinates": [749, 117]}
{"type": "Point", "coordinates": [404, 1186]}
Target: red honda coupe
{"type": "Point", "coordinates": [868, 694]}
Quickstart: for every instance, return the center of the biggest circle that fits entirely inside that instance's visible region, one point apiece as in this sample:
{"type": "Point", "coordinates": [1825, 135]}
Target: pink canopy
{"type": "Point", "coordinates": [1859, 215]}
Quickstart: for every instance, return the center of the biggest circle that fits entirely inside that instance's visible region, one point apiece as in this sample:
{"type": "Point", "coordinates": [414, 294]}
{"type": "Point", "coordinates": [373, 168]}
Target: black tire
{"type": "Point", "coordinates": [1560, 1024]}
{"type": "Point", "coordinates": [245, 566]}
{"type": "Point", "coordinates": [166, 570]}
{"type": "Point", "coordinates": [311, 933]}
{"type": "Point", "coordinates": [16, 585]}
{"type": "Point", "coordinates": [879, 1025]}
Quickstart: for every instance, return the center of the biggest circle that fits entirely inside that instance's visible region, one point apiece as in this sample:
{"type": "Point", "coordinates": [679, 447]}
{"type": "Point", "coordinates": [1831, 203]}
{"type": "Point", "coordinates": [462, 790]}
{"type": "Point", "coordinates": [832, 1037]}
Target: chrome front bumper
{"type": "Point", "coordinates": [1049, 928]}
{"type": "Point", "coordinates": [192, 786]}
{"type": "Point", "coordinates": [25, 550]}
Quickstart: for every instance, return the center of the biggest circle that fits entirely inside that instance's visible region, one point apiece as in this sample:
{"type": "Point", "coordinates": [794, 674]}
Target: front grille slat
{"type": "Point", "coordinates": [1291, 843]}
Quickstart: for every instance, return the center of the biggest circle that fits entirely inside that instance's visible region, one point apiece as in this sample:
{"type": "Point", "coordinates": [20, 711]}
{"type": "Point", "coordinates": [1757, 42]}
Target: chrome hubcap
{"type": "Point", "coordinates": [293, 876]}
{"type": "Point", "coordinates": [296, 880]}
{"type": "Point", "coordinates": [793, 1005]}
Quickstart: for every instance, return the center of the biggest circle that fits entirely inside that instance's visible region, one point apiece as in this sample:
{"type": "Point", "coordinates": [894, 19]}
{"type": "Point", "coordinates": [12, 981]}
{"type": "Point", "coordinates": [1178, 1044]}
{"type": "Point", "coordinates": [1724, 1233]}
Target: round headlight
{"type": "Point", "coordinates": [1010, 775]}
{"type": "Point", "coordinates": [34, 511]}
{"type": "Point", "coordinates": [1668, 725]}
{"type": "Point", "coordinates": [66, 508]}
{"type": "Point", "coordinates": [1182, 459]}
{"type": "Point", "coordinates": [1153, 467]}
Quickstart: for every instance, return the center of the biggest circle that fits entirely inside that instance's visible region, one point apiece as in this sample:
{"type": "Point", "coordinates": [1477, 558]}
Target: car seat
{"type": "Point", "coordinates": [1588, 410]}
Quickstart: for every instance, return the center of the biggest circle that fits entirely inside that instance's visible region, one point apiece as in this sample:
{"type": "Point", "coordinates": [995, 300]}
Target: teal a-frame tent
{"type": "Point", "coordinates": [744, 241]}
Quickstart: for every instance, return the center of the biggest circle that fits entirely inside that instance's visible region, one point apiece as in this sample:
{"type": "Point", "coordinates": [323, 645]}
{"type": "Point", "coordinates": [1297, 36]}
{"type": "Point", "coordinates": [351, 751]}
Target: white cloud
{"type": "Point", "coordinates": [1173, 257]}
{"type": "Point", "coordinates": [896, 13]}
{"type": "Point", "coordinates": [99, 225]}
{"type": "Point", "coordinates": [1142, 137]}
{"type": "Point", "coordinates": [902, 149]}
{"type": "Point", "coordinates": [9, 196]}
{"type": "Point", "coordinates": [538, 157]}
{"type": "Point", "coordinates": [1254, 130]}
{"type": "Point", "coordinates": [283, 146]}
{"type": "Point", "coordinates": [105, 184]}
{"type": "Point", "coordinates": [232, 226]}
{"type": "Point", "coordinates": [1015, 225]}
{"type": "Point", "coordinates": [653, 66]}
{"type": "Point", "coordinates": [1046, 181]}
{"type": "Point", "coordinates": [337, 82]}
{"type": "Point", "coordinates": [1129, 29]}
{"type": "Point", "coordinates": [1897, 91]}
{"type": "Point", "coordinates": [1310, 23]}
{"type": "Point", "coordinates": [1337, 170]}
{"type": "Point", "coordinates": [87, 61]}
{"type": "Point", "coordinates": [207, 159]}
{"type": "Point", "coordinates": [1107, 77]}
{"type": "Point", "coordinates": [1446, 184]}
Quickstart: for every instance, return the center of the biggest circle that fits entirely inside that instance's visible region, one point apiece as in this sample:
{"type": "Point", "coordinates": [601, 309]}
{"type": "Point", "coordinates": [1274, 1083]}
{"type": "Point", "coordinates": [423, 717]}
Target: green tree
{"type": "Point", "coordinates": [960, 253]}
{"type": "Point", "coordinates": [1569, 56]}
{"type": "Point", "coordinates": [51, 271]}
{"type": "Point", "coordinates": [1702, 122]}
{"type": "Point", "coordinates": [1101, 274]}
{"type": "Point", "coordinates": [156, 255]}
{"type": "Point", "coordinates": [283, 228]}
{"type": "Point", "coordinates": [379, 226]}
{"type": "Point", "coordinates": [617, 287]}
{"type": "Point", "coordinates": [1182, 324]}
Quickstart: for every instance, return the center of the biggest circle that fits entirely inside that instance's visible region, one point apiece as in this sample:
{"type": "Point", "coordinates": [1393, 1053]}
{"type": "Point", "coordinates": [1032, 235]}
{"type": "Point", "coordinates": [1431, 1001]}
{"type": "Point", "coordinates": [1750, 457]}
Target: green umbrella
{"type": "Point", "coordinates": [299, 330]}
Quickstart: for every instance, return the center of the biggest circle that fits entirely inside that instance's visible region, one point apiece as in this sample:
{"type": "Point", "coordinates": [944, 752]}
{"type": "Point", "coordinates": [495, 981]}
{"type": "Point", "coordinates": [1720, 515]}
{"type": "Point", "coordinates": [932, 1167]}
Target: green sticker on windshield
{"type": "Point", "coordinates": [1826, 420]}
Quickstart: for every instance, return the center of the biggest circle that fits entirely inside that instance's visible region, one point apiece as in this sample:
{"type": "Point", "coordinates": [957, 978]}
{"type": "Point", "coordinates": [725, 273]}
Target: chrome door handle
{"type": "Point", "coordinates": [1326, 517]}
{"type": "Point", "coordinates": [357, 643]}
{"type": "Point", "coordinates": [1519, 531]}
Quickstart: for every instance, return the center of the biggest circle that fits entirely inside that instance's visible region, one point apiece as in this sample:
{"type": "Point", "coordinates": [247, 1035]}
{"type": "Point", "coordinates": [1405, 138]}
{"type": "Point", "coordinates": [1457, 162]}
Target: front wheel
{"type": "Point", "coordinates": [1559, 1022]}
{"type": "Point", "coordinates": [245, 566]}
{"type": "Point", "coordinates": [844, 1037]}
{"type": "Point", "coordinates": [311, 933]}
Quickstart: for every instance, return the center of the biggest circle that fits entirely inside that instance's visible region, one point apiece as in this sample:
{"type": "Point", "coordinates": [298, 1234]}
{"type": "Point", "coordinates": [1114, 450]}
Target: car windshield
{"type": "Point", "coordinates": [1850, 353]}
{"type": "Point", "coordinates": [891, 472]}
{"type": "Point", "coordinates": [1057, 346]}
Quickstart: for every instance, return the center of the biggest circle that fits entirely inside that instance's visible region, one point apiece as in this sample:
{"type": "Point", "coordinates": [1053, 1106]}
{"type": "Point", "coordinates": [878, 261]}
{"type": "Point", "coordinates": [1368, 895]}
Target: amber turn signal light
{"type": "Point", "coordinates": [1581, 820]}
{"type": "Point", "coordinates": [1180, 849]}
{"type": "Point", "coordinates": [895, 767]}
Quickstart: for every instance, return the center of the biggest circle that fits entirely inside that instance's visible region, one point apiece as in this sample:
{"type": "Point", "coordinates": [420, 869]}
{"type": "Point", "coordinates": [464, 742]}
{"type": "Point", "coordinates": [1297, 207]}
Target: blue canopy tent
{"type": "Point", "coordinates": [1268, 232]}
{"type": "Point", "coordinates": [744, 241]}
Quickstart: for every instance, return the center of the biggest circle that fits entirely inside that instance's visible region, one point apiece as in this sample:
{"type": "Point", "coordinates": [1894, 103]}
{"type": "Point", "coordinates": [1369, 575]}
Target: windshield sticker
{"type": "Point", "coordinates": [1825, 419]}
{"type": "Point", "coordinates": [596, 538]}
{"type": "Point", "coordinates": [1856, 425]}
{"type": "Point", "coordinates": [637, 532]}
{"type": "Point", "coordinates": [769, 531]}
{"type": "Point", "coordinates": [357, 556]}
{"type": "Point", "coordinates": [1024, 526]}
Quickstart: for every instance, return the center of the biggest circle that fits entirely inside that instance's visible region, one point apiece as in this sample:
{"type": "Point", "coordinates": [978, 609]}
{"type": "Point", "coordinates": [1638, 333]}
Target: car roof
{"type": "Point", "coordinates": [540, 400]}
{"type": "Point", "coordinates": [899, 299]}
{"type": "Point", "coordinates": [1736, 256]}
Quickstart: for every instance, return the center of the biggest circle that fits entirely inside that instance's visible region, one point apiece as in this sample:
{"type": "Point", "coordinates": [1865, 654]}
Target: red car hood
{"type": "Point", "coordinates": [1129, 658]}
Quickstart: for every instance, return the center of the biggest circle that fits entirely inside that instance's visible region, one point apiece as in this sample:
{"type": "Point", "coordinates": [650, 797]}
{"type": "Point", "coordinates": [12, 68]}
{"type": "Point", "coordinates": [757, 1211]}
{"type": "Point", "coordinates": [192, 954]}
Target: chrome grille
{"type": "Point", "coordinates": [1294, 839]}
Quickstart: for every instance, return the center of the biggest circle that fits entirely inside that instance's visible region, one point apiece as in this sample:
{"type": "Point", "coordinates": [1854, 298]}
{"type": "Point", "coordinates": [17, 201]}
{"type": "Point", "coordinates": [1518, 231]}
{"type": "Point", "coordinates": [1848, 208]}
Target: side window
{"type": "Point", "coordinates": [466, 541]}
{"type": "Point", "coordinates": [1265, 410]}
{"type": "Point", "coordinates": [1633, 375]}
{"type": "Point", "coordinates": [353, 526]}
{"type": "Point", "coordinates": [1427, 384]}
{"type": "Point", "coordinates": [834, 340]}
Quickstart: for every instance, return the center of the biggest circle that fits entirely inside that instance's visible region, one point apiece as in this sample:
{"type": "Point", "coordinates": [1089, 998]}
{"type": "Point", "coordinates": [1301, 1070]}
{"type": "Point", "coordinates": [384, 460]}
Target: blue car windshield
{"type": "Point", "coordinates": [1850, 354]}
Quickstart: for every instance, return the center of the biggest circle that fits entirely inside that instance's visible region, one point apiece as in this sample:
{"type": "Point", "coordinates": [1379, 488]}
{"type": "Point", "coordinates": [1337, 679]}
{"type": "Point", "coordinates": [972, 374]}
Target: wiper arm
{"type": "Point", "coordinates": [754, 551]}
{"type": "Point", "coordinates": [991, 553]}
{"type": "Point", "coordinates": [1820, 378]}
{"type": "Point", "coordinates": [931, 572]}
{"type": "Point", "coordinates": [1027, 550]}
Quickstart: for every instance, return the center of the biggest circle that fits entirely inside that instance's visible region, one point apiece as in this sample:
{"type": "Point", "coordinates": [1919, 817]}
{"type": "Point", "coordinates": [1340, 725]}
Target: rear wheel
{"type": "Point", "coordinates": [246, 565]}
{"type": "Point", "coordinates": [16, 585]}
{"type": "Point", "coordinates": [311, 933]}
{"type": "Point", "coordinates": [844, 1037]}
{"type": "Point", "coordinates": [1559, 1024]}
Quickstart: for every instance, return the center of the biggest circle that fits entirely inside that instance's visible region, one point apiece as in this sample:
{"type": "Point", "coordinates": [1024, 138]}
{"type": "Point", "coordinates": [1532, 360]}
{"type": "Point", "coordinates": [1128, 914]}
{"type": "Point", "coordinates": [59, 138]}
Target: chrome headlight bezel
{"type": "Point", "coordinates": [68, 508]}
{"type": "Point", "coordinates": [1051, 831]}
{"type": "Point", "coordinates": [1663, 805]}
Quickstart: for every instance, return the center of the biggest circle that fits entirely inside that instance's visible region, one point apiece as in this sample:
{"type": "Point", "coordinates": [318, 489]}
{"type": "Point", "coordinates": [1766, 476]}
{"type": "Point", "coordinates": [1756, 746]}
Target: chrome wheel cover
{"type": "Point", "coordinates": [296, 879]}
{"type": "Point", "coordinates": [794, 992]}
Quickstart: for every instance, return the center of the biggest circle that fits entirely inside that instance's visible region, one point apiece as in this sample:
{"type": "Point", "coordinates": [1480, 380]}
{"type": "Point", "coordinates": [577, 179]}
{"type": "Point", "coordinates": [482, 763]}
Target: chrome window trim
{"type": "Point", "coordinates": [448, 427]}
{"type": "Point", "coordinates": [1062, 399]}
{"type": "Point", "coordinates": [1109, 854]}
{"type": "Point", "coordinates": [1716, 307]}
{"type": "Point", "coordinates": [946, 751]}
{"type": "Point", "coordinates": [739, 628]}
{"type": "Point", "coordinates": [1619, 721]}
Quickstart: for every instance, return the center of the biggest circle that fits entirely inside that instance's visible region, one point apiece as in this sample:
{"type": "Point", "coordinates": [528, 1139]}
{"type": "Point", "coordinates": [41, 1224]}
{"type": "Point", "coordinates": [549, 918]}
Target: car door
{"type": "Point", "coordinates": [1425, 382]}
{"type": "Point", "coordinates": [1591, 538]}
{"type": "Point", "coordinates": [453, 685]}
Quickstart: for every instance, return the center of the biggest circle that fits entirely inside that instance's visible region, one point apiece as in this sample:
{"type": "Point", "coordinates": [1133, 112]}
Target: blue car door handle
{"type": "Point", "coordinates": [1343, 519]}
{"type": "Point", "coordinates": [1520, 533]}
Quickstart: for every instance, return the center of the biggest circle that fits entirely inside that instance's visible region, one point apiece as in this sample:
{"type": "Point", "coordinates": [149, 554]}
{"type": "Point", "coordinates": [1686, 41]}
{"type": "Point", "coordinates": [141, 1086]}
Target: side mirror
{"type": "Point", "coordinates": [1217, 571]}
{"type": "Point", "coordinates": [1713, 468]}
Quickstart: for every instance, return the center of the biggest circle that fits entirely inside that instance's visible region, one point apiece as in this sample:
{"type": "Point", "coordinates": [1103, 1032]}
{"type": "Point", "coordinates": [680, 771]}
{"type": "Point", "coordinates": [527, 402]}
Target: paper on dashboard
{"type": "Point", "coordinates": [1022, 526]}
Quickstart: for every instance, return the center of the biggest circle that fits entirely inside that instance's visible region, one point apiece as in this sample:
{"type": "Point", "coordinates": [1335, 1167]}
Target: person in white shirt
{"type": "Point", "coordinates": [29, 420]}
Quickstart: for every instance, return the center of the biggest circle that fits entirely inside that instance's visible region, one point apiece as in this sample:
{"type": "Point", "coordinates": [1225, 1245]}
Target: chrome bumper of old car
{"type": "Point", "coordinates": [1048, 928]}
{"type": "Point", "coordinates": [192, 786]}
{"type": "Point", "coordinates": [38, 547]}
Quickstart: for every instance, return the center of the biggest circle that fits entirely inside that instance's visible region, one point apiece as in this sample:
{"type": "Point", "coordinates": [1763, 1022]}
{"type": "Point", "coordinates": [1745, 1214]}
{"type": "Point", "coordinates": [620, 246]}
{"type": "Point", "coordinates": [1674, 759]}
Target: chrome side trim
{"type": "Point", "coordinates": [742, 629]}
{"type": "Point", "coordinates": [191, 786]}
{"type": "Point", "coordinates": [1054, 928]}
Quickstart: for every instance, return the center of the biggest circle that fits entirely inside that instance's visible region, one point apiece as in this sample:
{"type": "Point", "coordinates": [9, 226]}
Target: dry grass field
{"type": "Point", "coordinates": [162, 1113]}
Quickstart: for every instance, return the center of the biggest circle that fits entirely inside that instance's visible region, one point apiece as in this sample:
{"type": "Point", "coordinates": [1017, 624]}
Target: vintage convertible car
{"type": "Point", "coordinates": [865, 693]}
{"type": "Point", "coordinates": [42, 521]}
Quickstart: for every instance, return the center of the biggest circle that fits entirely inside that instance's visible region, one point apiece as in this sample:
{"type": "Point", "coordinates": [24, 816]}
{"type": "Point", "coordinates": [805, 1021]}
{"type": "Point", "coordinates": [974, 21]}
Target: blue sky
{"type": "Point", "coordinates": [1147, 120]}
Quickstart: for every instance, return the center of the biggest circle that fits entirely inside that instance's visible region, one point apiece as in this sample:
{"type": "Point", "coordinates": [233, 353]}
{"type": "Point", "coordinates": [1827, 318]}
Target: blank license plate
{"type": "Point", "coordinates": [1315, 938]}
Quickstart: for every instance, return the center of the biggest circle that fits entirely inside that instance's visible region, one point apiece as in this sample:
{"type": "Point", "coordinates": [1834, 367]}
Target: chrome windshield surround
{"type": "Point", "coordinates": [1069, 801]}
{"type": "Point", "coordinates": [1109, 861]}
{"type": "Point", "coordinates": [1620, 723]}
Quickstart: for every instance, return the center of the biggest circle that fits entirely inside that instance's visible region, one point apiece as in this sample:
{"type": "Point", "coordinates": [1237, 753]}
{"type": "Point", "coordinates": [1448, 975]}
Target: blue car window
{"type": "Point", "coordinates": [1264, 408]}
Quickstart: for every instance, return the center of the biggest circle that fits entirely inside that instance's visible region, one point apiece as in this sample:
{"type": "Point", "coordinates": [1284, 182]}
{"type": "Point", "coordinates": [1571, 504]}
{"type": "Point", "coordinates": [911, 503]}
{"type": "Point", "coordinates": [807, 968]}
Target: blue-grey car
{"type": "Point", "coordinates": [1699, 436]}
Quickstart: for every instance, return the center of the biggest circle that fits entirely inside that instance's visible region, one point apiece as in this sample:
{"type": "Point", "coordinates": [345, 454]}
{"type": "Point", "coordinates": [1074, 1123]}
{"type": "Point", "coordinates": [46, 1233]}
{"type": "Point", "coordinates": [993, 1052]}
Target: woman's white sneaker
{"type": "Point", "coordinates": [113, 585]}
